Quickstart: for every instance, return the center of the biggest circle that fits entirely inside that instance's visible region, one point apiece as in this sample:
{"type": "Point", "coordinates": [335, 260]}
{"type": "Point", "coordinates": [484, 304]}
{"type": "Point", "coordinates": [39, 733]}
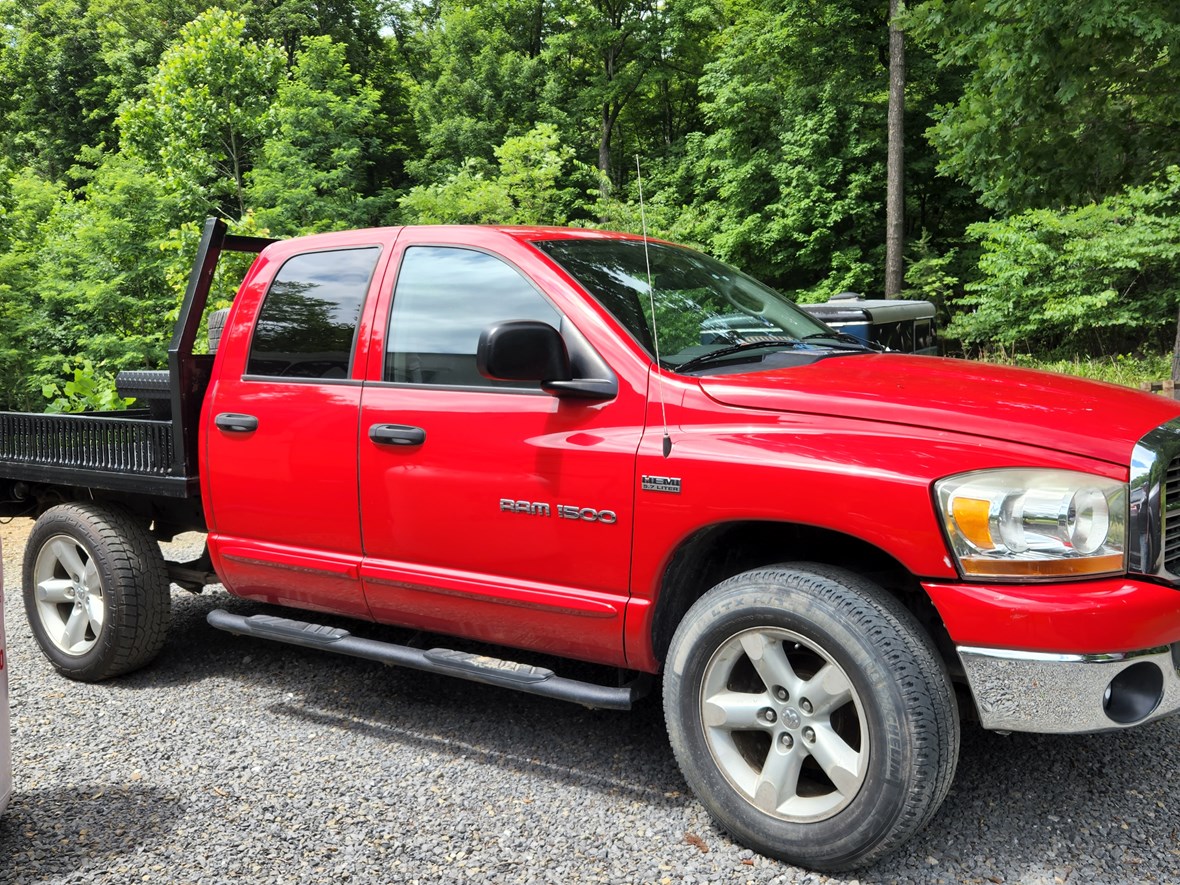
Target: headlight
{"type": "Point", "coordinates": [1034, 524]}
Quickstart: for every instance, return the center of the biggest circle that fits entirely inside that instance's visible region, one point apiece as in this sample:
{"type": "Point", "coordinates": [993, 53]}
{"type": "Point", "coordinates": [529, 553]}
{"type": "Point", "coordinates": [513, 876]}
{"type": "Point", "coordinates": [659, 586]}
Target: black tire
{"type": "Point", "coordinates": [215, 323]}
{"type": "Point", "coordinates": [96, 591]}
{"type": "Point", "coordinates": [830, 782]}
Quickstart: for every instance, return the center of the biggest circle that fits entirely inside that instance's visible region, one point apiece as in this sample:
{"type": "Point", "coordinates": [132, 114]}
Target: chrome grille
{"type": "Point", "coordinates": [1153, 529]}
{"type": "Point", "coordinates": [1171, 508]}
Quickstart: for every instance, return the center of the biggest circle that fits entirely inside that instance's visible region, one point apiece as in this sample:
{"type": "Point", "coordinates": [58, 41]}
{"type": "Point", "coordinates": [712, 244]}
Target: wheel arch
{"type": "Point", "coordinates": [714, 553]}
{"type": "Point", "coordinates": [167, 516]}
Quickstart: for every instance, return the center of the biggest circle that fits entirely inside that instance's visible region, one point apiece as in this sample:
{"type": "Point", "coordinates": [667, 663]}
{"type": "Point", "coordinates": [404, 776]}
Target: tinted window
{"type": "Point", "coordinates": [446, 297]}
{"type": "Point", "coordinates": [308, 321]}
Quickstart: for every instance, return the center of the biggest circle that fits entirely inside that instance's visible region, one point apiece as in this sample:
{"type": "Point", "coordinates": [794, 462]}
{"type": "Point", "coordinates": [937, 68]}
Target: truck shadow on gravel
{"type": "Point", "coordinates": [1023, 808]}
{"type": "Point", "coordinates": [81, 828]}
{"type": "Point", "coordinates": [614, 751]}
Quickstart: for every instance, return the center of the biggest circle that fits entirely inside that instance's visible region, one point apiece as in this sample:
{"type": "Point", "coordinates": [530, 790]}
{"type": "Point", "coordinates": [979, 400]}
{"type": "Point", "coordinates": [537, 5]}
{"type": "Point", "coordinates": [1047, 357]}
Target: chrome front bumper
{"type": "Point", "coordinates": [1070, 693]}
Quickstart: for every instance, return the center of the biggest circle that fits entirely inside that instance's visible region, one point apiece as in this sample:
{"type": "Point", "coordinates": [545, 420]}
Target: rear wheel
{"type": "Point", "coordinates": [96, 591]}
{"type": "Point", "coordinates": [810, 715]}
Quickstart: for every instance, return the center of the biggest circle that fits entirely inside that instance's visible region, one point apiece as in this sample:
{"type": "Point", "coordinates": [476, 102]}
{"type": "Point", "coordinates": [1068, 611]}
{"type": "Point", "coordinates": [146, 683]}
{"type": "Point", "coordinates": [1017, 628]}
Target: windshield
{"type": "Point", "coordinates": [703, 308]}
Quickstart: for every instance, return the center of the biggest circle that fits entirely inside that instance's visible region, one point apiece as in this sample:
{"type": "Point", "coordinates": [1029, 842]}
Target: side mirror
{"type": "Point", "coordinates": [522, 350]}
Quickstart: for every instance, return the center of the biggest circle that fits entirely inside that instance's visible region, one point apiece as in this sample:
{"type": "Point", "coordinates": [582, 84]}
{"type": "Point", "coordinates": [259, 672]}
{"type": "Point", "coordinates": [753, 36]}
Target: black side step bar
{"type": "Point", "coordinates": [476, 668]}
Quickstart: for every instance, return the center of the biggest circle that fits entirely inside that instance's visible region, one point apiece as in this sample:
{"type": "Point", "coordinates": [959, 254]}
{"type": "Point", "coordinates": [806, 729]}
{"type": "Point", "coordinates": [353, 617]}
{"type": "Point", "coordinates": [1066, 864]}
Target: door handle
{"type": "Point", "coordinates": [397, 435]}
{"type": "Point", "coordinates": [234, 423]}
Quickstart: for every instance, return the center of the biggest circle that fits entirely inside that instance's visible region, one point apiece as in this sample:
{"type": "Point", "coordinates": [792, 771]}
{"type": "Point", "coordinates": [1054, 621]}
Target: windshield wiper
{"type": "Point", "coordinates": [839, 336]}
{"type": "Point", "coordinates": [705, 358]}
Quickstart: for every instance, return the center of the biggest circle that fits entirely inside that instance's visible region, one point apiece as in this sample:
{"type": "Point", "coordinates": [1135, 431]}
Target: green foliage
{"type": "Point", "coordinates": [760, 126]}
{"type": "Point", "coordinates": [1097, 279]}
{"type": "Point", "coordinates": [930, 276]}
{"type": "Point", "coordinates": [27, 201]}
{"type": "Point", "coordinates": [201, 123]}
{"type": "Point", "coordinates": [526, 187]}
{"type": "Point", "coordinates": [599, 56]}
{"type": "Point", "coordinates": [1062, 103]}
{"type": "Point", "coordinates": [1128, 370]}
{"type": "Point", "coordinates": [478, 82]}
{"type": "Point", "coordinates": [315, 167]}
{"type": "Point", "coordinates": [51, 97]}
{"type": "Point", "coordinates": [89, 389]}
{"type": "Point", "coordinates": [790, 179]}
{"type": "Point", "coordinates": [103, 276]}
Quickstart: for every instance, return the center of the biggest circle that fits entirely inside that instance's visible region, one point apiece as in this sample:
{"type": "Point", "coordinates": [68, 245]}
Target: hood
{"type": "Point", "coordinates": [1057, 412]}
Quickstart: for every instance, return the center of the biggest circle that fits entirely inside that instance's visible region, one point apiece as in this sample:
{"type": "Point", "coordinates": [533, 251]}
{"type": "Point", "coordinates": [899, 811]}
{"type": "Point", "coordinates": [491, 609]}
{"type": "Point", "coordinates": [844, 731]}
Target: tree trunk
{"type": "Point", "coordinates": [895, 170]}
{"type": "Point", "coordinates": [604, 171]}
{"type": "Point", "coordinates": [1176, 353]}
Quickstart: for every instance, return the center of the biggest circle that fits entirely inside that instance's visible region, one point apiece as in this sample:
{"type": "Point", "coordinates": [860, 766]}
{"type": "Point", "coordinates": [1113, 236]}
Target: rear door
{"type": "Point", "coordinates": [280, 425]}
{"type": "Point", "coordinates": [490, 509]}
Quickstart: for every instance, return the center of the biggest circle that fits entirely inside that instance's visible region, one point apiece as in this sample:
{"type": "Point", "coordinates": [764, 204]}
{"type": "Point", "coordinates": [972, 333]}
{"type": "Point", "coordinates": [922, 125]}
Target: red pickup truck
{"type": "Point", "coordinates": [597, 447]}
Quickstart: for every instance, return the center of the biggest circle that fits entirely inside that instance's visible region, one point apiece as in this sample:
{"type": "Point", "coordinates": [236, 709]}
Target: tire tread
{"type": "Point", "coordinates": [928, 705]}
{"type": "Point", "coordinates": [139, 598]}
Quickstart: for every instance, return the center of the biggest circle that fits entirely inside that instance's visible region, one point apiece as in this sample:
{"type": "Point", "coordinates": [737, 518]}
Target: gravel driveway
{"type": "Point", "coordinates": [232, 758]}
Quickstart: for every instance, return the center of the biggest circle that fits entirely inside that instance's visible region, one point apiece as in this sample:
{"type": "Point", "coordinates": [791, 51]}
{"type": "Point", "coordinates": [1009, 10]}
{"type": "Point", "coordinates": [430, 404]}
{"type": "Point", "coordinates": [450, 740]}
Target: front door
{"type": "Point", "coordinates": [490, 509]}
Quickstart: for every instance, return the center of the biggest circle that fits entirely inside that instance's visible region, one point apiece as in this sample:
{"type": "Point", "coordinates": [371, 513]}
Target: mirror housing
{"type": "Point", "coordinates": [528, 350]}
{"type": "Point", "coordinates": [522, 350]}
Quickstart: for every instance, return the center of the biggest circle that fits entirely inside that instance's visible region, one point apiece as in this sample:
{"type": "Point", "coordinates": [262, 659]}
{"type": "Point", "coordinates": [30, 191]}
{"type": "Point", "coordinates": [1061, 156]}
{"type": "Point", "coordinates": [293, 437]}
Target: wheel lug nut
{"type": "Point", "coordinates": [786, 741]}
{"type": "Point", "coordinates": [781, 694]}
{"type": "Point", "coordinates": [805, 706]}
{"type": "Point", "coordinates": [809, 735]}
{"type": "Point", "coordinates": [768, 715]}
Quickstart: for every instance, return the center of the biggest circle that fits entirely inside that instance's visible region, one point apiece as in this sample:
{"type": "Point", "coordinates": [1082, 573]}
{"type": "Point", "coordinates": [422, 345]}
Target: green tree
{"type": "Point", "coordinates": [1061, 103]}
{"type": "Point", "coordinates": [204, 116]}
{"type": "Point", "coordinates": [132, 36]}
{"type": "Point", "coordinates": [27, 202]}
{"type": "Point", "coordinates": [51, 84]}
{"type": "Point", "coordinates": [599, 57]}
{"type": "Point", "coordinates": [788, 181]}
{"type": "Point", "coordinates": [104, 279]}
{"type": "Point", "coordinates": [526, 186]}
{"type": "Point", "coordinates": [316, 167]}
{"type": "Point", "coordinates": [476, 81]}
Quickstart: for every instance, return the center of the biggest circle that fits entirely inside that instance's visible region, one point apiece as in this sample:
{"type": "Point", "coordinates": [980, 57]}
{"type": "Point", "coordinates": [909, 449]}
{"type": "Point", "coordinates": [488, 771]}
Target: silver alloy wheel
{"type": "Point", "coordinates": [784, 724]}
{"type": "Point", "coordinates": [69, 594]}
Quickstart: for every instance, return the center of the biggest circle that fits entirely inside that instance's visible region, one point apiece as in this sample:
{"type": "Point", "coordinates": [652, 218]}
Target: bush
{"type": "Point", "coordinates": [1096, 279]}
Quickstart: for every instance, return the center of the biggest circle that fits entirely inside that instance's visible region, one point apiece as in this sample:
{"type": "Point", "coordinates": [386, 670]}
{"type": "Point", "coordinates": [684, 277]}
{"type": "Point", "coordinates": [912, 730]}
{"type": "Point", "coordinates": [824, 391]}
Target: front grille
{"type": "Point", "coordinates": [1171, 509]}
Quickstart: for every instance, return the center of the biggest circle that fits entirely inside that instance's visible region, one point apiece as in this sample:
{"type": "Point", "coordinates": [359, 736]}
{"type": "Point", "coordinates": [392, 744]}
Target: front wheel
{"type": "Point", "coordinates": [810, 715]}
{"type": "Point", "coordinates": [96, 591]}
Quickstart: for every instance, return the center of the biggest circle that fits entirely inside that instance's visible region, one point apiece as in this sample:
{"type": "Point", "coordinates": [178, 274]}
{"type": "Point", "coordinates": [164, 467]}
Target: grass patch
{"type": "Point", "coordinates": [1126, 370]}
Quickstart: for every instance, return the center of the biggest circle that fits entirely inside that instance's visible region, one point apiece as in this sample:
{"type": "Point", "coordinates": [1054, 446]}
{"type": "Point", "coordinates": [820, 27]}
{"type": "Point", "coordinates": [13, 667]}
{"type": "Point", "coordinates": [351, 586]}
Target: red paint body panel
{"type": "Point", "coordinates": [308, 511]}
{"type": "Point", "coordinates": [1111, 615]}
{"type": "Point", "coordinates": [865, 479]}
{"type": "Point", "coordinates": [291, 485]}
{"type": "Point", "coordinates": [1039, 408]}
{"type": "Point", "coordinates": [442, 554]}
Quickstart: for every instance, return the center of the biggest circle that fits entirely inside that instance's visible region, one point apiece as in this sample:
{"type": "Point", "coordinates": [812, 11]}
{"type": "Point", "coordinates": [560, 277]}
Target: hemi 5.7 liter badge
{"type": "Point", "coordinates": [662, 484]}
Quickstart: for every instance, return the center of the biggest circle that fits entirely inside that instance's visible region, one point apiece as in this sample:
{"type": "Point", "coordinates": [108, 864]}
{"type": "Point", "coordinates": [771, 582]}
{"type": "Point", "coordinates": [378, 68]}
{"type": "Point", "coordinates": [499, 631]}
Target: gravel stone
{"type": "Point", "coordinates": [232, 758]}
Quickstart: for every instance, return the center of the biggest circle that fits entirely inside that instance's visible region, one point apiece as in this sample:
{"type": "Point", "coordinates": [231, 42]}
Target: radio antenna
{"type": "Point", "coordinates": [651, 299]}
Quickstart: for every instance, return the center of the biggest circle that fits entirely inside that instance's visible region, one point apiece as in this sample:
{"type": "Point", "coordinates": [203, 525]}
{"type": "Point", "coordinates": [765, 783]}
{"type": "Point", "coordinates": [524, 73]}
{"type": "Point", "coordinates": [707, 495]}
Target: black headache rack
{"type": "Point", "coordinates": [131, 451]}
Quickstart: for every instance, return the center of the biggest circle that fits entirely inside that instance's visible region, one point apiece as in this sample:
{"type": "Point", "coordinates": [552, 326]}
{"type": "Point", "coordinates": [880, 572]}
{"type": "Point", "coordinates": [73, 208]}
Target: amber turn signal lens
{"type": "Point", "coordinates": [972, 517]}
{"type": "Point", "coordinates": [1082, 566]}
